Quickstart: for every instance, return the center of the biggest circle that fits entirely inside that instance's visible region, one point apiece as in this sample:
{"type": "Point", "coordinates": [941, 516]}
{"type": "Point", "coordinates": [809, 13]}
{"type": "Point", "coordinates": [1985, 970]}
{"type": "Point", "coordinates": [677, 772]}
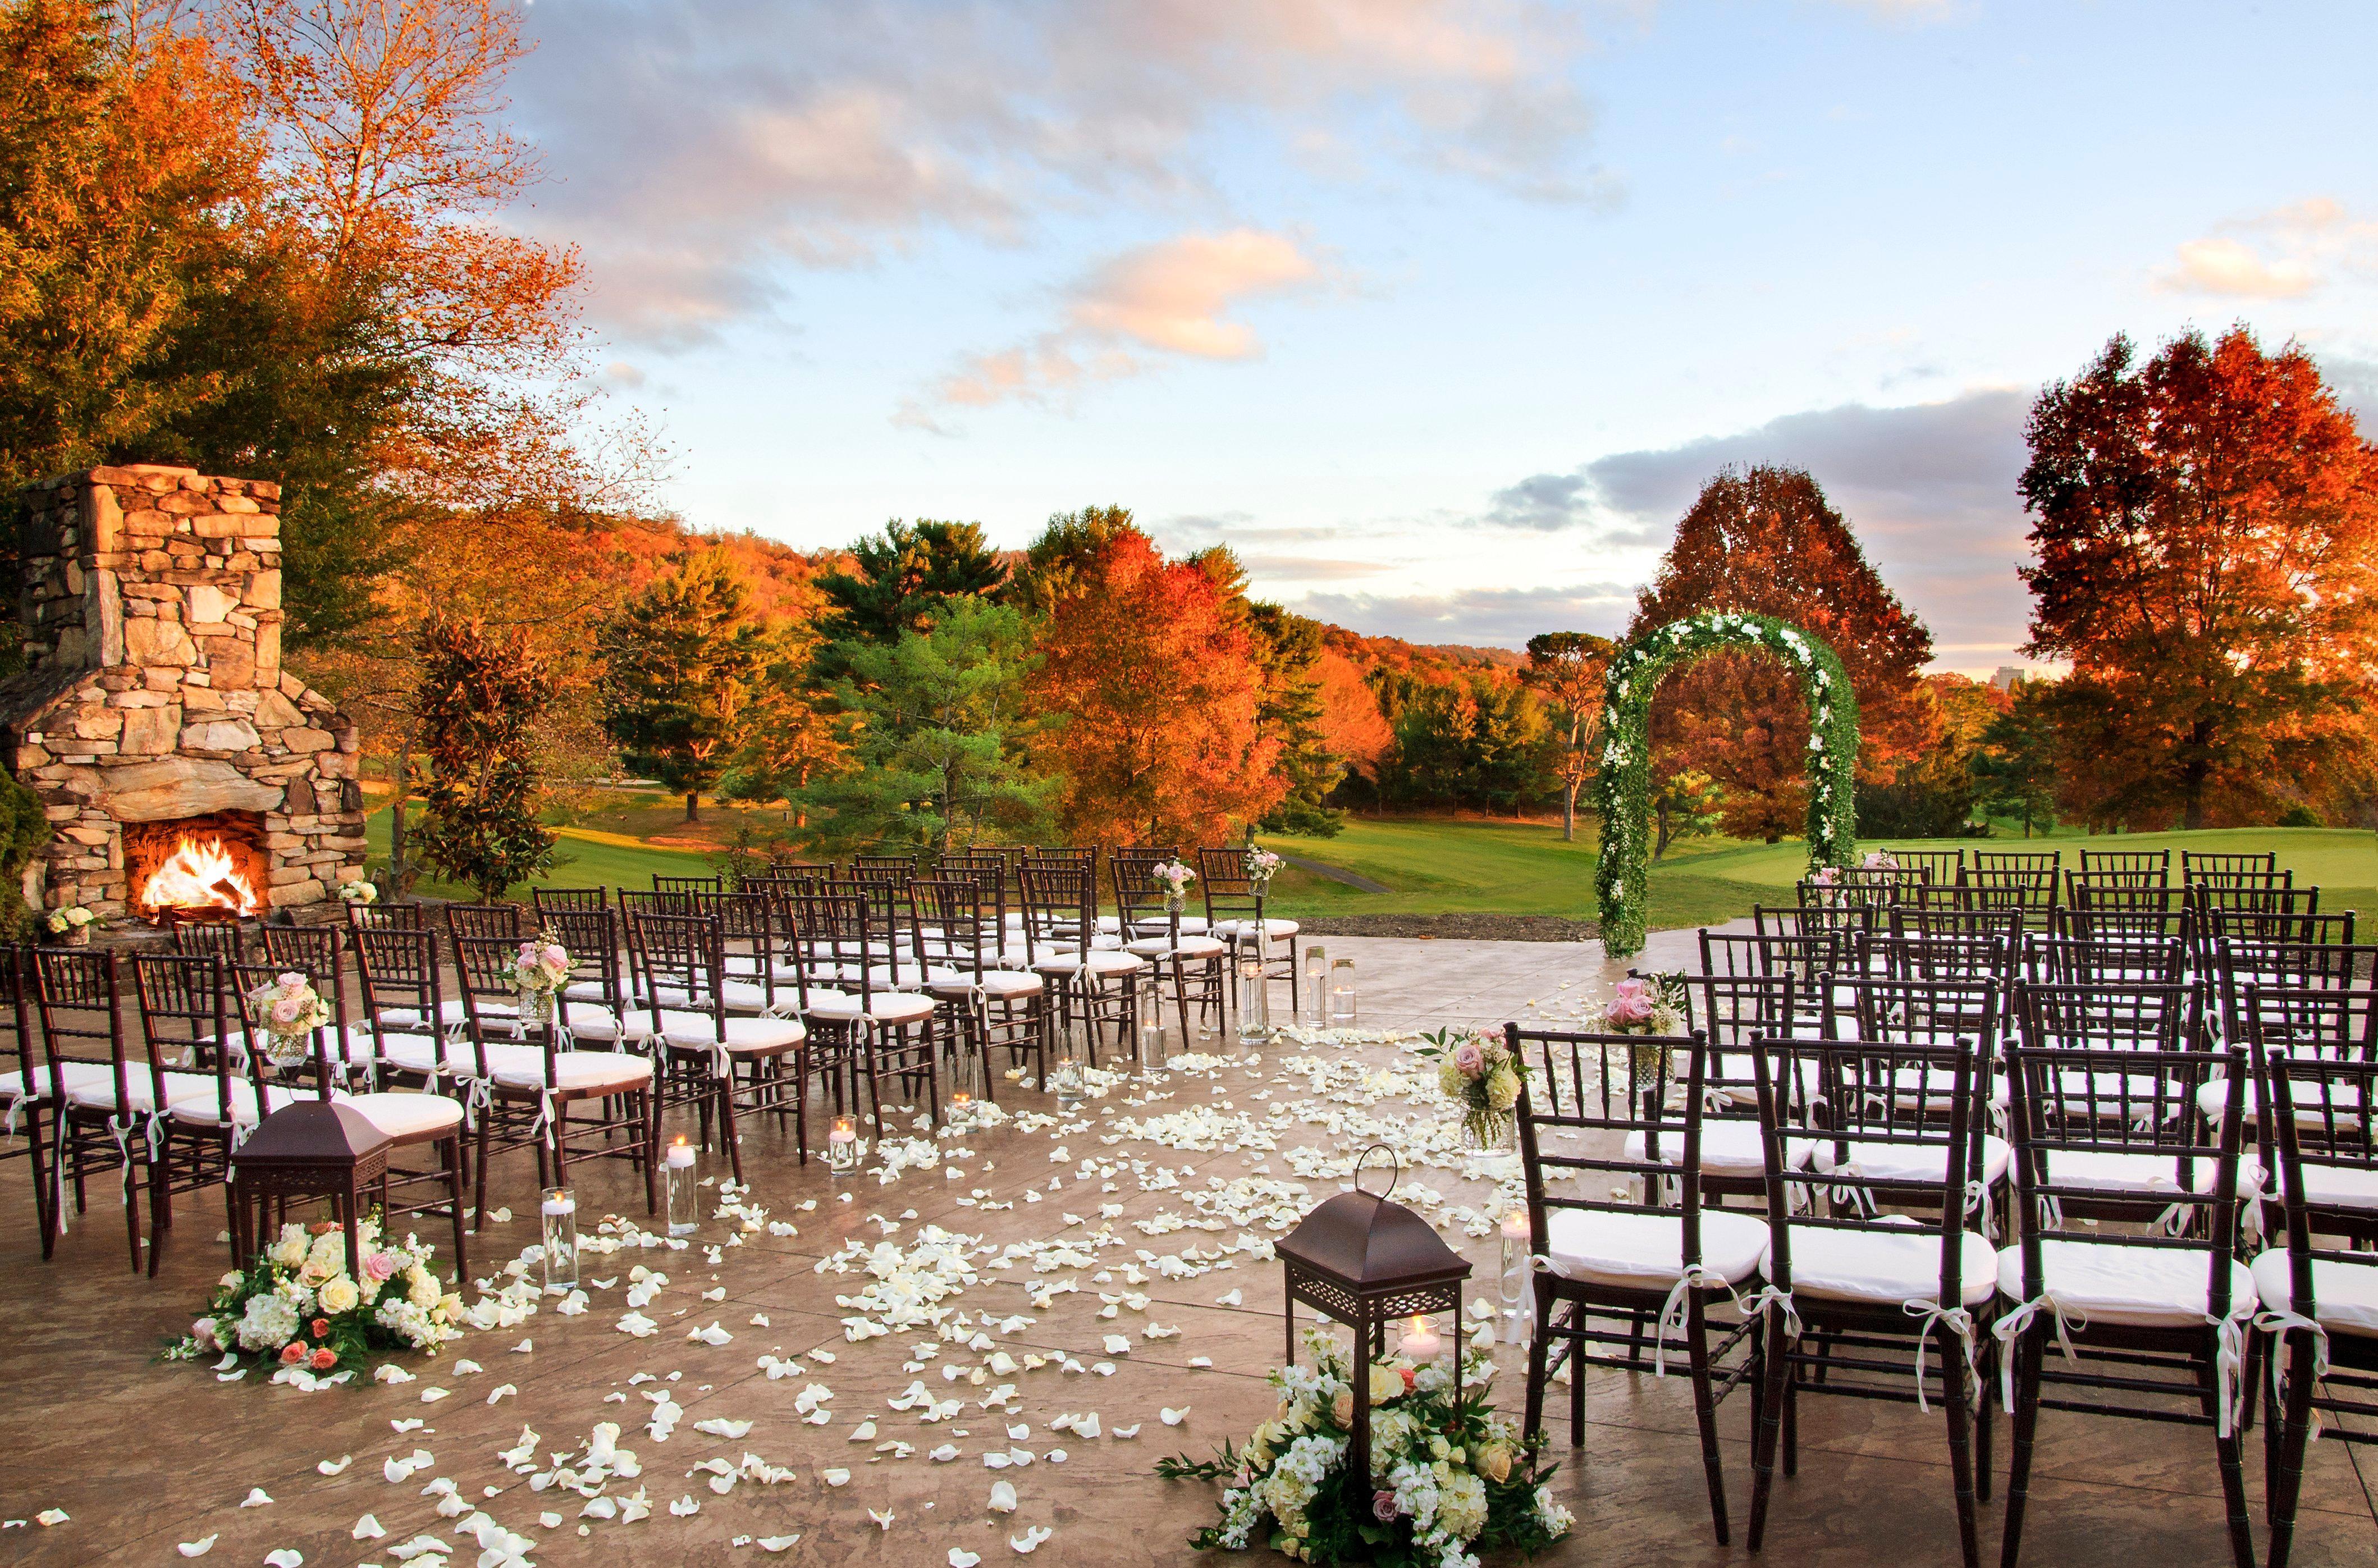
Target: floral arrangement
{"type": "Point", "coordinates": [1880, 860]}
{"type": "Point", "coordinates": [1261, 866]}
{"type": "Point", "coordinates": [1652, 1004]}
{"type": "Point", "coordinates": [1623, 786]}
{"type": "Point", "coordinates": [1447, 1475]}
{"type": "Point", "coordinates": [1479, 1072]}
{"type": "Point", "coordinates": [290, 1010]}
{"type": "Point", "coordinates": [1174, 878]}
{"type": "Point", "coordinates": [298, 1307]}
{"type": "Point", "coordinates": [359, 892]}
{"type": "Point", "coordinates": [536, 971]}
{"type": "Point", "coordinates": [73, 917]}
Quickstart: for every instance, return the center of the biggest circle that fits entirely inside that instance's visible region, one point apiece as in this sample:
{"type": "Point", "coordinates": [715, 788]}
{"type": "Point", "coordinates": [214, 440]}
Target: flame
{"type": "Point", "coordinates": [200, 874]}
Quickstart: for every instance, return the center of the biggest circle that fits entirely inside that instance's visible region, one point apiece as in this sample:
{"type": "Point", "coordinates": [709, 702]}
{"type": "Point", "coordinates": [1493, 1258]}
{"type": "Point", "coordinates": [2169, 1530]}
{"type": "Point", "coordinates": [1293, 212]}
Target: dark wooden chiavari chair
{"type": "Point", "coordinates": [1198, 964]}
{"type": "Point", "coordinates": [101, 1094]}
{"type": "Point", "coordinates": [1100, 985]}
{"type": "Point", "coordinates": [868, 1026]}
{"type": "Point", "coordinates": [2127, 868]}
{"type": "Point", "coordinates": [1626, 1247]}
{"type": "Point", "coordinates": [545, 900]}
{"type": "Point", "coordinates": [2032, 894]}
{"type": "Point", "coordinates": [24, 1088]}
{"type": "Point", "coordinates": [959, 933]}
{"type": "Point", "coordinates": [1874, 1298]}
{"type": "Point", "coordinates": [201, 1105]}
{"type": "Point", "coordinates": [2198, 869]}
{"type": "Point", "coordinates": [406, 1006]}
{"type": "Point", "coordinates": [722, 1040]}
{"type": "Point", "coordinates": [1236, 908]}
{"type": "Point", "coordinates": [2149, 1324]}
{"type": "Point", "coordinates": [2320, 1298]}
{"type": "Point", "coordinates": [532, 1085]}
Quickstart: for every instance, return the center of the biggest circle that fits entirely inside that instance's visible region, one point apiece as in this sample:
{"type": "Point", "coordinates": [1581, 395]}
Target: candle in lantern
{"type": "Point", "coordinates": [559, 1212]}
{"type": "Point", "coordinates": [1515, 1224]}
{"type": "Point", "coordinates": [842, 1147]}
{"type": "Point", "coordinates": [1517, 1237]}
{"type": "Point", "coordinates": [1422, 1342]}
{"type": "Point", "coordinates": [680, 1156]}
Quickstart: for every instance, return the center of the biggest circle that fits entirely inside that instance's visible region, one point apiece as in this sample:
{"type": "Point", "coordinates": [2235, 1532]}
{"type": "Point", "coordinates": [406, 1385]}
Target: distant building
{"type": "Point", "coordinates": [2007, 676]}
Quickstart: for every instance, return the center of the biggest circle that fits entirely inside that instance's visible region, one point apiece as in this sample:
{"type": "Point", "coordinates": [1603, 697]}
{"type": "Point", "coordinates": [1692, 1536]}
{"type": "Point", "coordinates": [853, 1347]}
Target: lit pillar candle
{"type": "Point", "coordinates": [1422, 1342]}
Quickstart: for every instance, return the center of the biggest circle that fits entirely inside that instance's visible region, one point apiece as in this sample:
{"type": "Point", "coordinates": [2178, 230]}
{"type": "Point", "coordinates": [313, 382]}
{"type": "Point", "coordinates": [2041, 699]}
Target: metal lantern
{"type": "Point", "coordinates": [307, 1149]}
{"type": "Point", "coordinates": [1366, 1262]}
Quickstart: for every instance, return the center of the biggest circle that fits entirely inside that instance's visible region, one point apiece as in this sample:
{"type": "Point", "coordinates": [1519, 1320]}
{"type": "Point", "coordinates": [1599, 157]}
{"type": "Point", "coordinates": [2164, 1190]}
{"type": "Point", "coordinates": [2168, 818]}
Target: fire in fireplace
{"type": "Point", "coordinates": [202, 863]}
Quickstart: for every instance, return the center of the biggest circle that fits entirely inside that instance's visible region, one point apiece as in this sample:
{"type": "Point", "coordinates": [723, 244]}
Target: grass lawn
{"type": "Point", "coordinates": [1434, 866]}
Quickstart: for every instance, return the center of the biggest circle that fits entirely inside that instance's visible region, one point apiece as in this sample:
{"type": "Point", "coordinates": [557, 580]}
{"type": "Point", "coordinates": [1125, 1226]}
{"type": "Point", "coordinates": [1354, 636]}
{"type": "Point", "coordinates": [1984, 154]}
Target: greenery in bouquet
{"type": "Point", "coordinates": [1448, 1475]}
{"type": "Point", "coordinates": [1478, 1070]}
{"type": "Point", "coordinates": [296, 1306]}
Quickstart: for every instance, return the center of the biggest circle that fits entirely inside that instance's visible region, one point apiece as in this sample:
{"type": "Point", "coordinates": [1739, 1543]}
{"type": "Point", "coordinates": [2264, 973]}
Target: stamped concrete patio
{"type": "Point", "coordinates": [143, 1455]}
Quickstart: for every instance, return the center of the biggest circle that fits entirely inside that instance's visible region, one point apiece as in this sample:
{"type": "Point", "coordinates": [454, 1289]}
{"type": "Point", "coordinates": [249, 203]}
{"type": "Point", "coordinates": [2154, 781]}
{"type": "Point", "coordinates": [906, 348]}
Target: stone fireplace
{"type": "Point", "coordinates": [180, 766]}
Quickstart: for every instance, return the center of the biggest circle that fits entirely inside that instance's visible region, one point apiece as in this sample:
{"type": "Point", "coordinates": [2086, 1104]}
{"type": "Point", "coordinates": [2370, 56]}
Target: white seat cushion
{"type": "Point", "coordinates": [884, 1007]}
{"type": "Point", "coordinates": [591, 1020]}
{"type": "Point", "coordinates": [2339, 1186]}
{"type": "Point", "coordinates": [2116, 1171]}
{"type": "Point", "coordinates": [596, 1072]}
{"type": "Point", "coordinates": [2137, 1286]}
{"type": "Point", "coordinates": [584, 991]}
{"type": "Point", "coordinates": [2344, 1294]}
{"type": "Point", "coordinates": [453, 1013]}
{"type": "Point", "coordinates": [1188, 948]}
{"type": "Point", "coordinates": [1729, 1148]}
{"type": "Point", "coordinates": [697, 1032]}
{"type": "Point", "coordinates": [2213, 1100]}
{"type": "Point", "coordinates": [410, 1117]}
{"type": "Point", "coordinates": [418, 1053]}
{"type": "Point", "coordinates": [999, 985]}
{"type": "Point", "coordinates": [1273, 926]}
{"type": "Point", "coordinates": [1643, 1250]}
{"type": "Point", "coordinates": [98, 1092]}
{"type": "Point", "coordinates": [195, 1100]}
{"type": "Point", "coordinates": [1914, 1163]}
{"type": "Point", "coordinates": [77, 1075]}
{"type": "Point", "coordinates": [1892, 1264]}
{"type": "Point", "coordinates": [1103, 960]}
{"type": "Point", "coordinates": [744, 993]}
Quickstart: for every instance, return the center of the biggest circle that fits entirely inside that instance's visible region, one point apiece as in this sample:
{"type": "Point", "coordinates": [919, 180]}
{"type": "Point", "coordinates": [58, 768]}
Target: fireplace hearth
{"type": "Point", "coordinates": [181, 766]}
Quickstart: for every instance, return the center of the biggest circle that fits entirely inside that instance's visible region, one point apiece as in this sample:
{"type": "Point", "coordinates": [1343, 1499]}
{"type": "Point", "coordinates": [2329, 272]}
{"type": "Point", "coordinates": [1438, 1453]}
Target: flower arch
{"type": "Point", "coordinates": [1623, 789]}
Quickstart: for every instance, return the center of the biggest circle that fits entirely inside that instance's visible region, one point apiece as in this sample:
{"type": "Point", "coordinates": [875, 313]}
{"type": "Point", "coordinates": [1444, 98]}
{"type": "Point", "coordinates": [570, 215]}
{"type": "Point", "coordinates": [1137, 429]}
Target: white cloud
{"type": "Point", "coordinates": [1492, 617]}
{"type": "Point", "coordinates": [2229, 268]}
{"type": "Point", "coordinates": [1169, 300]}
{"type": "Point", "coordinates": [2281, 253]}
{"type": "Point", "coordinates": [702, 148]}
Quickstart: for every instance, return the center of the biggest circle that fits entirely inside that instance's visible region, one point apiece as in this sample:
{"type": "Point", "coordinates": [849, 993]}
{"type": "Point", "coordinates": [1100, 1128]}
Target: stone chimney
{"type": "Point", "coordinates": [153, 694]}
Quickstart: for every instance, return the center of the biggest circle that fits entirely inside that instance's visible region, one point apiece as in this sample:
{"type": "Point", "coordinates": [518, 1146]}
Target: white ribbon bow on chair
{"type": "Point", "coordinates": [1959, 1321]}
{"type": "Point", "coordinates": [2229, 1367]}
{"type": "Point", "coordinates": [2278, 1322]}
{"type": "Point", "coordinates": [2009, 1329]}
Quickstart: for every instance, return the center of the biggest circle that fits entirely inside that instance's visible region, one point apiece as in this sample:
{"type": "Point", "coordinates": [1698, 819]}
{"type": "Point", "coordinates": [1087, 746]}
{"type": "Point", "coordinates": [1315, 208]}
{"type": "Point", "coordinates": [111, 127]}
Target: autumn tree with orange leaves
{"type": "Point", "coordinates": [2206, 527]}
{"type": "Point", "coordinates": [1152, 691]}
{"type": "Point", "coordinates": [1765, 540]}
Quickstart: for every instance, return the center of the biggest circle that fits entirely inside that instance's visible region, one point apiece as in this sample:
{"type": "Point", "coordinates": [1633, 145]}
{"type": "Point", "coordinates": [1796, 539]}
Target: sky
{"type": "Point", "coordinates": [1438, 313]}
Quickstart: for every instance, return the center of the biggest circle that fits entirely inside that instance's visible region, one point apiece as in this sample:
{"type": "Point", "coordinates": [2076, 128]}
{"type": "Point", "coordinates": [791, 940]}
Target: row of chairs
{"type": "Point", "coordinates": [2107, 883]}
{"type": "Point", "coordinates": [2096, 1194]}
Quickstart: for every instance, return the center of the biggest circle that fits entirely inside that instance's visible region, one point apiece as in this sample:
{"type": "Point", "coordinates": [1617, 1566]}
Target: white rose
{"type": "Point", "coordinates": [341, 1295]}
{"type": "Point", "coordinates": [423, 1292]}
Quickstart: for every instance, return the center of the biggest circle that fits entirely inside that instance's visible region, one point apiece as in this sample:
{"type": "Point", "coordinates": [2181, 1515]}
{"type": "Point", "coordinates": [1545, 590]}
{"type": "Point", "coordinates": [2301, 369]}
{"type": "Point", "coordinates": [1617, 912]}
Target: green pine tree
{"type": "Point", "coordinates": [678, 660]}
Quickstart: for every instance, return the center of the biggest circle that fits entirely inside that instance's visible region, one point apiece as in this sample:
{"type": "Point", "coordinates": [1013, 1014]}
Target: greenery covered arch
{"type": "Point", "coordinates": [1623, 789]}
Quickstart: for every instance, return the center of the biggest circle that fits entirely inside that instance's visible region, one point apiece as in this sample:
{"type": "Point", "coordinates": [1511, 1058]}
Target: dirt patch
{"type": "Point", "coordinates": [1469, 927]}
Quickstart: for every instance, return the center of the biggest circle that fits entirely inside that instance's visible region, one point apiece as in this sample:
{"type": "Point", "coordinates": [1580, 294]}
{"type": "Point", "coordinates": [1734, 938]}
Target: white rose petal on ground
{"type": "Point", "coordinates": [1029, 1541]}
{"type": "Point", "coordinates": [432, 1395]}
{"type": "Point", "coordinates": [256, 1498]}
{"type": "Point", "coordinates": [1117, 1345]}
{"type": "Point", "coordinates": [285, 1558]}
{"type": "Point", "coordinates": [834, 1478]}
{"type": "Point", "coordinates": [367, 1529]}
{"type": "Point", "coordinates": [198, 1547]}
{"type": "Point", "coordinates": [961, 1558]}
{"type": "Point", "coordinates": [335, 1467]}
{"type": "Point", "coordinates": [1003, 1497]}
{"type": "Point", "coordinates": [883, 1520]}
{"type": "Point", "coordinates": [684, 1507]}
{"type": "Point", "coordinates": [1173, 1417]}
{"type": "Point", "coordinates": [500, 1391]}
{"type": "Point", "coordinates": [719, 1426]}
{"type": "Point", "coordinates": [1126, 1433]}
{"type": "Point", "coordinates": [776, 1543]}
{"type": "Point", "coordinates": [945, 1454]}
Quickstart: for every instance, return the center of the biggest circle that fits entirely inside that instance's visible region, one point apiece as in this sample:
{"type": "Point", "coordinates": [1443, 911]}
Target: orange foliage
{"type": "Point", "coordinates": [1351, 725]}
{"type": "Point", "coordinates": [1151, 687]}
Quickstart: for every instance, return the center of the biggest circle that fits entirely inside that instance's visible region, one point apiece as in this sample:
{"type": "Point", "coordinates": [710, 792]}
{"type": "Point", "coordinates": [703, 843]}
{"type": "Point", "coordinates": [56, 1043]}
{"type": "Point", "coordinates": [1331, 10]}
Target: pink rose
{"type": "Point", "coordinates": [1632, 1002]}
{"type": "Point", "coordinates": [379, 1267]}
{"type": "Point", "coordinates": [288, 1009]}
{"type": "Point", "coordinates": [203, 1331]}
{"type": "Point", "coordinates": [1383, 1507]}
{"type": "Point", "coordinates": [1469, 1057]}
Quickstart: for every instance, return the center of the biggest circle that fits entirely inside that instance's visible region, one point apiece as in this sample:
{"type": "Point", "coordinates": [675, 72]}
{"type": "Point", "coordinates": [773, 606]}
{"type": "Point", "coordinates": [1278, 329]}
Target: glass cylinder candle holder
{"type": "Point", "coordinates": [1341, 993]}
{"type": "Point", "coordinates": [1516, 1240]}
{"type": "Point", "coordinates": [560, 1212]}
{"type": "Point", "coordinates": [1313, 987]}
{"type": "Point", "coordinates": [1254, 995]}
{"type": "Point", "coordinates": [1150, 1042]}
{"type": "Point", "coordinates": [844, 1150]}
{"type": "Point", "coordinates": [683, 1206]}
{"type": "Point", "coordinates": [1068, 1083]}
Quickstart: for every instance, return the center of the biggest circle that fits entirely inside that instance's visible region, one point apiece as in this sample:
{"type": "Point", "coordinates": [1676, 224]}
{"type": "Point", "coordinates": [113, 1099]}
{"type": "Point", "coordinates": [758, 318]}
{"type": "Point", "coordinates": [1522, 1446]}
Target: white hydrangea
{"type": "Point", "coordinates": [270, 1323]}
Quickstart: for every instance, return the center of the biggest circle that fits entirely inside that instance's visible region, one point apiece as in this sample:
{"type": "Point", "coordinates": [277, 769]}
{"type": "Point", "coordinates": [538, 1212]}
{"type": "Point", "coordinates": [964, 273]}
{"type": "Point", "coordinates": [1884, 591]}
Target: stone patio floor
{"type": "Point", "coordinates": [144, 1454]}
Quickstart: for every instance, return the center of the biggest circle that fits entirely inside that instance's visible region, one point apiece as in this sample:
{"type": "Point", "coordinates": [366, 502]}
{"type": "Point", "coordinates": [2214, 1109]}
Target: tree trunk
{"type": "Point", "coordinates": [1568, 814]}
{"type": "Point", "coordinates": [692, 801]}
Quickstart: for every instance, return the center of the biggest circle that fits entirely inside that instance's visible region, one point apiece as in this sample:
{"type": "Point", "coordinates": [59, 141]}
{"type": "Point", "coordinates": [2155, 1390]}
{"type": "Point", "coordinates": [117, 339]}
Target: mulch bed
{"type": "Point", "coordinates": [1469, 927]}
